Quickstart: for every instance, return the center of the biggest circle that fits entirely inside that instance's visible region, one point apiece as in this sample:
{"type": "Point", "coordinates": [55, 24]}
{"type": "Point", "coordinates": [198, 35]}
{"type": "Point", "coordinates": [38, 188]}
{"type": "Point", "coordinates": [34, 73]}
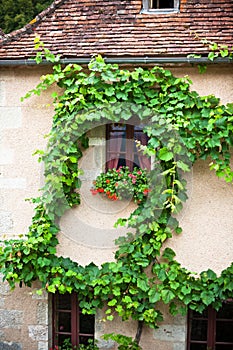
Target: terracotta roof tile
{"type": "Point", "coordinates": [117, 28]}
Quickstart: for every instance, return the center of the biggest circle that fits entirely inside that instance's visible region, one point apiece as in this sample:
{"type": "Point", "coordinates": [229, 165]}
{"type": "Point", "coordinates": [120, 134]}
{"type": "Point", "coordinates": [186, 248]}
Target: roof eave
{"type": "Point", "coordinates": [121, 60]}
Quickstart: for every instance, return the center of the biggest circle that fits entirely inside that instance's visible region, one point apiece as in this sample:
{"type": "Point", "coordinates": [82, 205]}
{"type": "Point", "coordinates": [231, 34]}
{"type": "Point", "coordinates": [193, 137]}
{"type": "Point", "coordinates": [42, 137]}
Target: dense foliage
{"type": "Point", "coordinates": [14, 14]}
{"type": "Point", "coordinates": [182, 127]}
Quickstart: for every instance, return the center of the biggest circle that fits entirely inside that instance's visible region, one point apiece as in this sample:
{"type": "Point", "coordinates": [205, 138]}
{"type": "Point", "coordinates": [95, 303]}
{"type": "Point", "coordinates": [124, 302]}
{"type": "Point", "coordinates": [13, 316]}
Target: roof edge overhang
{"type": "Point", "coordinates": [121, 60]}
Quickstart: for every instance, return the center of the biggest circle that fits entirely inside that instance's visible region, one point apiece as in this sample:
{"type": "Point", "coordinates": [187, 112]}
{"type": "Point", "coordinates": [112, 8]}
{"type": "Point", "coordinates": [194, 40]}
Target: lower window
{"type": "Point", "coordinates": [212, 330]}
{"type": "Point", "coordinates": [70, 326]}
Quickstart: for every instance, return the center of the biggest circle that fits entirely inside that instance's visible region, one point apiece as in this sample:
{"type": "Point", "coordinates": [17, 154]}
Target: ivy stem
{"type": "Point", "coordinates": [139, 332]}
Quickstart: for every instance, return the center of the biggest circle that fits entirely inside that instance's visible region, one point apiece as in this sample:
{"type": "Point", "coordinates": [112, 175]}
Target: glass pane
{"type": "Point", "coordinates": [199, 330]}
{"type": "Point", "coordinates": [87, 324]}
{"type": "Point", "coordinates": [224, 347]}
{"type": "Point", "coordinates": [64, 339]}
{"type": "Point", "coordinates": [198, 346]}
{"type": "Point", "coordinates": [64, 322]}
{"type": "Point", "coordinates": [84, 340]}
{"type": "Point", "coordinates": [64, 301]}
{"type": "Point", "coordinates": [121, 146]}
{"type": "Point", "coordinates": [224, 331]}
{"type": "Point", "coordinates": [161, 4]}
{"type": "Point", "coordinates": [196, 314]}
{"type": "Point", "coordinates": [226, 312]}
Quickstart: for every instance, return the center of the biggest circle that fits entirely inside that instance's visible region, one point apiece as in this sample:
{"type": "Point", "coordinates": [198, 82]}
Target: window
{"type": "Point", "coordinates": [160, 6]}
{"type": "Point", "coordinates": [121, 149]}
{"type": "Point", "coordinates": [68, 321]}
{"type": "Point", "coordinates": [212, 330]}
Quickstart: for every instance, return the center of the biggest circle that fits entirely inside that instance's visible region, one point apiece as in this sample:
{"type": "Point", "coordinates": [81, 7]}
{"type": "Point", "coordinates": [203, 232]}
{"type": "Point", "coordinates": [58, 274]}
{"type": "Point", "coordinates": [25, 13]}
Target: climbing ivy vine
{"type": "Point", "coordinates": [182, 127]}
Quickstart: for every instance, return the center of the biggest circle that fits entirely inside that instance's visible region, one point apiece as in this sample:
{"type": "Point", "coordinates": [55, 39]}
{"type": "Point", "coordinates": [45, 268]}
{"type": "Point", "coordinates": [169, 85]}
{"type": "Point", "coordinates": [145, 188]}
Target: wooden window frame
{"type": "Point", "coordinates": [129, 132]}
{"type": "Point", "coordinates": [146, 7]}
{"type": "Point", "coordinates": [74, 334]}
{"type": "Point", "coordinates": [211, 319]}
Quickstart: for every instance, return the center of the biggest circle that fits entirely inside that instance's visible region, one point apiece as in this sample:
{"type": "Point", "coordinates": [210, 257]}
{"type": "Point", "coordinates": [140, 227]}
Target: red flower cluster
{"type": "Point", "coordinates": [95, 191]}
{"type": "Point", "coordinates": [122, 183]}
{"type": "Point", "coordinates": [111, 196]}
{"type": "Point", "coordinates": [146, 191]}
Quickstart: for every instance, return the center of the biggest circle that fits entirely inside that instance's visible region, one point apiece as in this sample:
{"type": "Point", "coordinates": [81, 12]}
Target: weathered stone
{"type": "Point", "coordinates": [6, 223]}
{"type": "Point", "coordinates": [170, 333]}
{"type": "Point", "coordinates": [4, 287]}
{"type": "Point", "coordinates": [106, 344]}
{"type": "Point", "coordinates": [43, 296]}
{"type": "Point", "coordinates": [39, 333]}
{"type": "Point", "coordinates": [179, 346]}
{"type": "Point", "coordinates": [2, 336]}
{"type": "Point", "coordinates": [10, 346]}
{"type": "Point", "coordinates": [43, 345]}
{"type": "Point", "coordinates": [11, 319]}
{"type": "Point", "coordinates": [42, 313]}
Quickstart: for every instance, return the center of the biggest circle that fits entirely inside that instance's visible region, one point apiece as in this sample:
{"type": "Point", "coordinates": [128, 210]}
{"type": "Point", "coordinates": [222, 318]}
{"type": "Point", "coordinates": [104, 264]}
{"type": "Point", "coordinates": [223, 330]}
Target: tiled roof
{"type": "Point", "coordinates": [79, 28]}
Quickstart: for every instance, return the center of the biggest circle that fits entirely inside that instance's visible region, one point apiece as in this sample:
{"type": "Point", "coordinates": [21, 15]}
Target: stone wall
{"type": "Point", "coordinates": [23, 319]}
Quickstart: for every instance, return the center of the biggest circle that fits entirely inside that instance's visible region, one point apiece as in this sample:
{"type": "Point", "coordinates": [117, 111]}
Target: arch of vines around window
{"type": "Point", "coordinates": [182, 127]}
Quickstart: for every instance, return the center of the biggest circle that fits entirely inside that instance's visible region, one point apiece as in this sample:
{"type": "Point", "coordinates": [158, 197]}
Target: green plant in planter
{"type": "Point", "coordinates": [119, 184]}
{"type": "Point", "coordinates": [124, 342]}
{"type": "Point", "coordinates": [68, 346]}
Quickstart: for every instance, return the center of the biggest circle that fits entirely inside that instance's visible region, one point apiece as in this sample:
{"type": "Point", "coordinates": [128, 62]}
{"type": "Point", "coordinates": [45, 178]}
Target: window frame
{"type": "Point", "coordinates": [212, 318]}
{"type": "Point", "coordinates": [147, 9]}
{"type": "Point", "coordinates": [75, 334]}
{"type": "Point", "coordinates": [129, 132]}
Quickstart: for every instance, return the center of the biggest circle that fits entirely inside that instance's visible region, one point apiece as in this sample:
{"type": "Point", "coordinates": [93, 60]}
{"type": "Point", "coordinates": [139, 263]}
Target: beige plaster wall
{"type": "Point", "coordinates": [206, 218]}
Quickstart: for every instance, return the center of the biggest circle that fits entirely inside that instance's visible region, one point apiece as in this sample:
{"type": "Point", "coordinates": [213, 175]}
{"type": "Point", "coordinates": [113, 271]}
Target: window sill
{"type": "Point", "coordinates": [159, 11]}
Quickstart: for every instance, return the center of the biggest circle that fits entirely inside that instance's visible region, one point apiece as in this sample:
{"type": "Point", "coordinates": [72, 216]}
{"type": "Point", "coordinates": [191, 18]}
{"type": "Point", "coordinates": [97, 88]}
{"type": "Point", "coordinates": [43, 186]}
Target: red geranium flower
{"type": "Point", "coordinates": [93, 191]}
{"type": "Point", "coordinates": [101, 190]}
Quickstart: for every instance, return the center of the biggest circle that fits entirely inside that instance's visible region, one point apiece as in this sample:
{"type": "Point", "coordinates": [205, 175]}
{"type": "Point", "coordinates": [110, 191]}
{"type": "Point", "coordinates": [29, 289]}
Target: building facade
{"type": "Point", "coordinates": [132, 33]}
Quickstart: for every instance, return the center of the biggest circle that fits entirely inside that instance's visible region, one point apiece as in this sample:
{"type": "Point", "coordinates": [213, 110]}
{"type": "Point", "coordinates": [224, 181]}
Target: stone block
{"type": "Point", "coordinates": [10, 346]}
{"type": "Point", "coordinates": [42, 313]}
{"type": "Point", "coordinates": [173, 333]}
{"type": "Point", "coordinates": [11, 319]}
{"type": "Point", "coordinates": [38, 333]}
{"type": "Point", "coordinates": [106, 344]}
{"type": "Point", "coordinates": [179, 346]}
{"type": "Point", "coordinates": [43, 345]}
{"type": "Point", "coordinates": [6, 223]}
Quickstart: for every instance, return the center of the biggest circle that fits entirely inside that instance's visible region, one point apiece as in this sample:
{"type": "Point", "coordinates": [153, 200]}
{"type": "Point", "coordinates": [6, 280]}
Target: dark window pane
{"type": "Point", "coordinates": [226, 311]}
{"type": "Point", "coordinates": [63, 338]}
{"type": "Point", "coordinates": [64, 301]}
{"type": "Point", "coordinates": [64, 322]}
{"type": "Point", "coordinates": [224, 347]}
{"type": "Point", "coordinates": [87, 324]}
{"type": "Point", "coordinates": [162, 4]}
{"type": "Point", "coordinates": [199, 330]}
{"type": "Point", "coordinates": [224, 331]}
{"type": "Point", "coordinates": [196, 314]}
{"type": "Point", "coordinates": [84, 340]}
{"type": "Point", "coordinates": [198, 346]}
